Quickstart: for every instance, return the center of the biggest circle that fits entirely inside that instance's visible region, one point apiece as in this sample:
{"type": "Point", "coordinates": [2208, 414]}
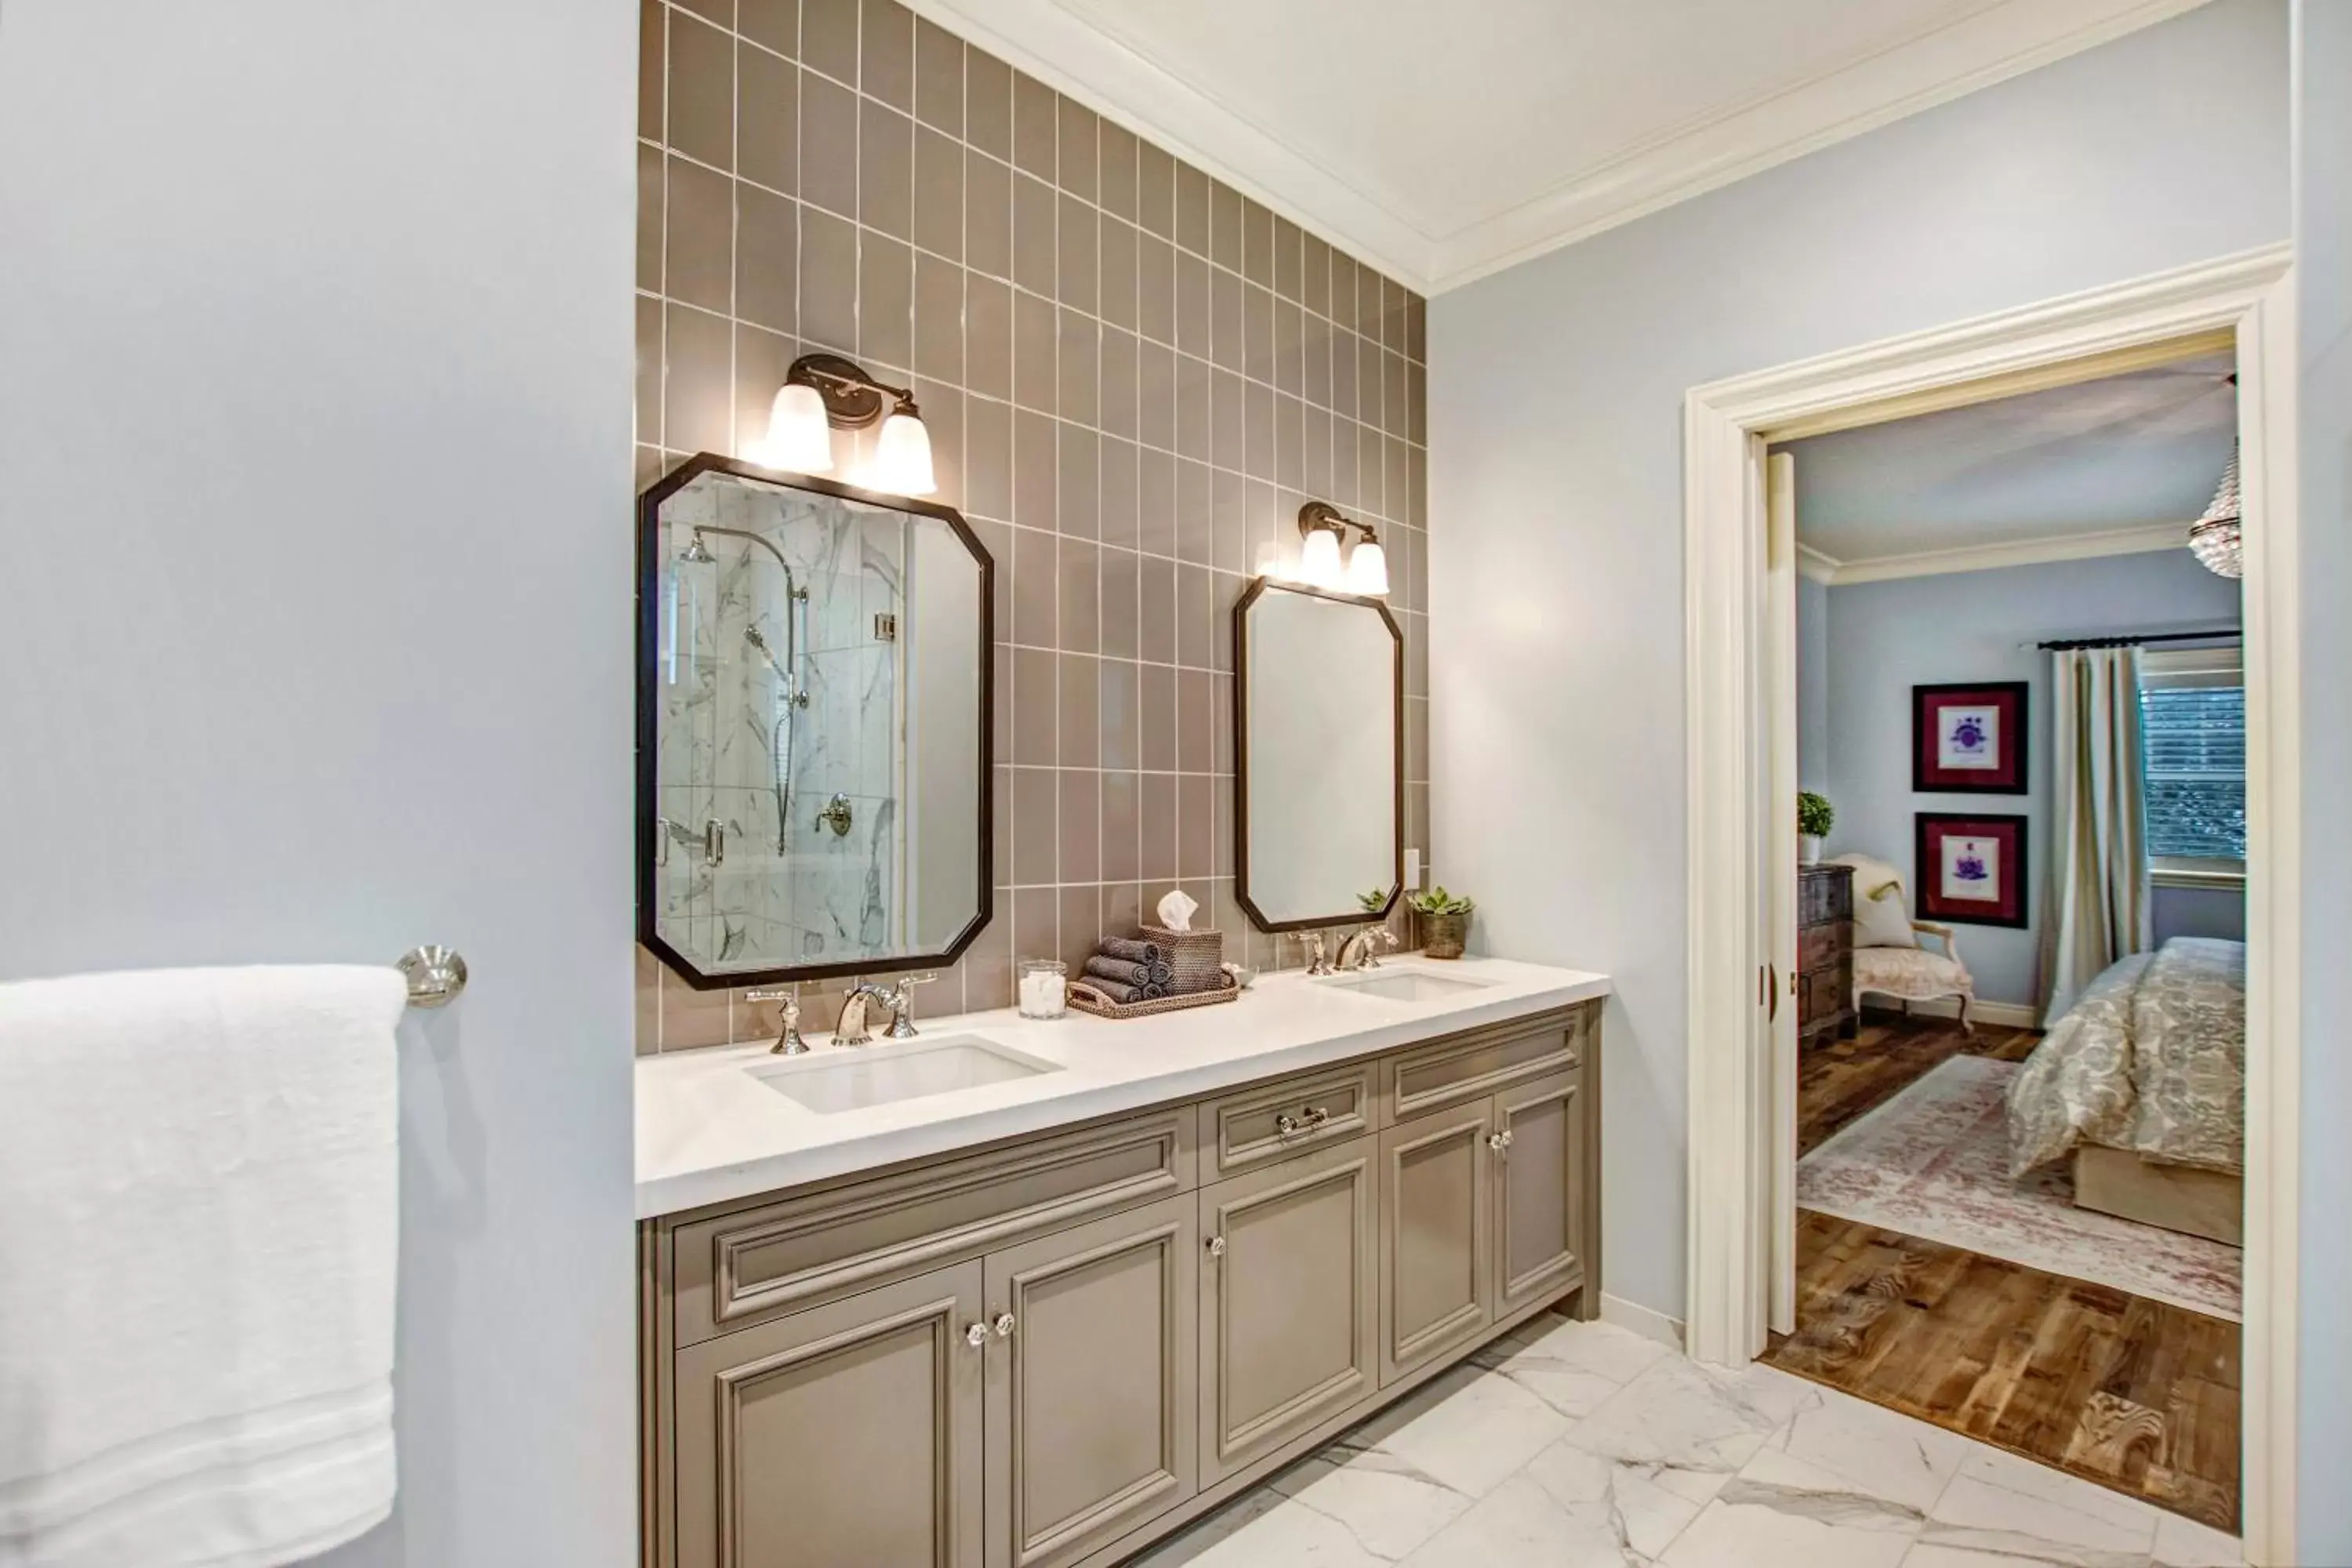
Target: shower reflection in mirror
{"type": "Point", "coordinates": [818, 702]}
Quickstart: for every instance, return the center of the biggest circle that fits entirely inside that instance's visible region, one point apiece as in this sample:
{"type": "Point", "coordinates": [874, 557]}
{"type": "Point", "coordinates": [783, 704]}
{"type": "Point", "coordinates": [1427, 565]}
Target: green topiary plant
{"type": "Point", "coordinates": [1438, 901]}
{"type": "Point", "coordinates": [1814, 814]}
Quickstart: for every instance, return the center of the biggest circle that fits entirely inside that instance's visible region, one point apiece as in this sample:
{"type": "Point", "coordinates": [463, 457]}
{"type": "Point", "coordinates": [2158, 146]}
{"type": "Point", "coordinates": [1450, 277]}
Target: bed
{"type": "Point", "coordinates": [2143, 1084]}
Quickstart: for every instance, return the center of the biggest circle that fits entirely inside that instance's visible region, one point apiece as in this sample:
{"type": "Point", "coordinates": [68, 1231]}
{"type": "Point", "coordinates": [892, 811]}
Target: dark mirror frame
{"type": "Point", "coordinates": [1358, 915]}
{"type": "Point", "coordinates": [649, 502]}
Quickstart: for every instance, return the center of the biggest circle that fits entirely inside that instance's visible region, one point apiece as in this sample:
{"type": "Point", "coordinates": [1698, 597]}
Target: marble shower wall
{"type": "Point", "coordinates": [1134, 376]}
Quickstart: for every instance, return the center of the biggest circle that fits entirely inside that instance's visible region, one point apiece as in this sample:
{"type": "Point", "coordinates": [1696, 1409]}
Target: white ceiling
{"type": "Point", "coordinates": [2140, 451]}
{"type": "Point", "coordinates": [1442, 140]}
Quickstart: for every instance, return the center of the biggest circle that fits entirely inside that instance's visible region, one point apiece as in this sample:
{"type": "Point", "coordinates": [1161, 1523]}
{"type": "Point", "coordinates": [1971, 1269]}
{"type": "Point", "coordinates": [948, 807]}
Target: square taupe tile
{"type": "Point", "coordinates": [768, 119]}
{"type": "Point", "coordinates": [828, 145]}
{"type": "Point", "coordinates": [886, 301]}
{"type": "Point", "coordinates": [1315, 276]}
{"type": "Point", "coordinates": [988, 215]}
{"type": "Point", "coordinates": [1287, 243]}
{"type": "Point", "coordinates": [1155, 717]}
{"type": "Point", "coordinates": [1081, 743]}
{"type": "Point", "coordinates": [771, 24]}
{"type": "Point", "coordinates": [1192, 209]}
{"type": "Point", "coordinates": [1224, 593]}
{"type": "Point", "coordinates": [1076, 275]}
{"type": "Point", "coordinates": [699, 213]}
{"type": "Point", "coordinates": [1155, 289]}
{"type": "Point", "coordinates": [1257, 244]}
{"type": "Point", "coordinates": [1196, 826]}
{"type": "Point", "coordinates": [1195, 512]}
{"type": "Point", "coordinates": [1036, 586]}
{"type": "Point", "coordinates": [701, 92]}
{"type": "Point", "coordinates": [1119, 479]}
{"type": "Point", "coordinates": [939, 330]}
{"type": "Point", "coordinates": [1229, 521]}
{"type": "Point", "coordinates": [886, 66]}
{"type": "Point", "coordinates": [1078, 348]}
{"type": "Point", "coordinates": [1156, 503]}
{"type": "Point", "coordinates": [988, 327]}
{"type": "Point", "coordinates": [1192, 331]}
{"type": "Point", "coordinates": [1036, 253]}
{"type": "Point", "coordinates": [988, 103]}
{"type": "Point", "coordinates": [653, 68]}
{"type": "Point", "coordinates": [1037, 707]}
{"type": "Point", "coordinates": [1035, 127]}
{"type": "Point", "coordinates": [1224, 226]}
{"type": "Point", "coordinates": [1193, 429]}
{"type": "Point", "coordinates": [1122, 736]}
{"type": "Point", "coordinates": [697, 397]}
{"type": "Point", "coordinates": [651, 228]}
{"type": "Point", "coordinates": [1120, 855]}
{"type": "Point", "coordinates": [1155, 380]}
{"type": "Point", "coordinates": [1036, 835]}
{"type": "Point", "coordinates": [1036, 354]}
{"type": "Point", "coordinates": [1226, 336]}
{"type": "Point", "coordinates": [1077, 499]}
{"type": "Point", "coordinates": [1035, 467]}
{"type": "Point", "coordinates": [939, 194]}
{"type": "Point", "coordinates": [649, 371]}
{"type": "Point", "coordinates": [1196, 751]}
{"type": "Point", "coordinates": [1119, 382]}
{"type": "Point", "coordinates": [885, 170]}
{"type": "Point", "coordinates": [939, 77]}
{"type": "Point", "coordinates": [1259, 420]}
{"type": "Point", "coordinates": [1080, 627]}
{"type": "Point", "coordinates": [988, 467]}
{"type": "Point", "coordinates": [829, 37]}
{"type": "Point", "coordinates": [1228, 409]}
{"type": "Point", "coordinates": [1081, 925]}
{"type": "Point", "coordinates": [1196, 628]}
{"type": "Point", "coordinates": [767, 258]}
{"type": "Point", "coordinates": [1155, 190]}
{"type": "Point", "coordinates": [1079, 130]}
{"type": "Point", "coordinates": [1036, 923]}
{"type": "Point", "coordinates": [1156, 827]}
{"type": "Point", "coordinates": [1118, 171]}
{"type": "Point", "coordinates": [1081, 859]}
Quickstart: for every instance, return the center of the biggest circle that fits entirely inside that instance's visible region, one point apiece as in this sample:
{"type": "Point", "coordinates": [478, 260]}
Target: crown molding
{"type": "Point", "coordinates": [1121, 82]}
{"type": "Point", "coordinates": [1839, 574]}
{"type": "Point", "coordinates": [1118, 83]}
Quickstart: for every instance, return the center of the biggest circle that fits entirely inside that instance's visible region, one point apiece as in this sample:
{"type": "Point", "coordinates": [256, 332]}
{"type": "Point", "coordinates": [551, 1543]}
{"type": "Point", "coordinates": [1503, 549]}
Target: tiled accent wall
{"type": "Point", "coordinates": [1133, 378]}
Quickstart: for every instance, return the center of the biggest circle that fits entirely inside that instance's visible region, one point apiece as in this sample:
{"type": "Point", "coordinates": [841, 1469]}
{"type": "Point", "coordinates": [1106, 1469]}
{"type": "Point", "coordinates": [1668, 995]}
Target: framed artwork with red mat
{"type": "Point", "coordinates": [1971, 870]}
{"type": "Point", "coordinates": [1969, 739]}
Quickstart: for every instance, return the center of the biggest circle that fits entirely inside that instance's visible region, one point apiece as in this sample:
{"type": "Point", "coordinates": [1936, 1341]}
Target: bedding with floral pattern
{"type": "Point", "coordinates": [2152, 1060]}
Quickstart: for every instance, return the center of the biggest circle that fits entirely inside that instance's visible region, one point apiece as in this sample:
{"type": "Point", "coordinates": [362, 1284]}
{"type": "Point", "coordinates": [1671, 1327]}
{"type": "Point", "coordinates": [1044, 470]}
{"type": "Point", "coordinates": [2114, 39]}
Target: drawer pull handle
{"type": "Point", "coordinates": [1290, 1126]}
{"type": "Point", "coordinates": [1216, 1247]}
{"type": "Point", "coordinates": [1500, 1142]}
{"type": "Point", "coordinates": [976, 1335]}
{"type": "Point", "coordinates": [1004, 1326]}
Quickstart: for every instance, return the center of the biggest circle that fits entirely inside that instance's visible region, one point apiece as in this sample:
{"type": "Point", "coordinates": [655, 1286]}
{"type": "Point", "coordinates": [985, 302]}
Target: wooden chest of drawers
{"type": "Point", "coordinates": [1824, 954]}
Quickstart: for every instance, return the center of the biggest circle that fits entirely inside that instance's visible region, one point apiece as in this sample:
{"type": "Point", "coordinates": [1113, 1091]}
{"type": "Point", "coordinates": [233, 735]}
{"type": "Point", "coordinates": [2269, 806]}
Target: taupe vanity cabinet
{"type": "Point", "coordinates": [1052, 1351]}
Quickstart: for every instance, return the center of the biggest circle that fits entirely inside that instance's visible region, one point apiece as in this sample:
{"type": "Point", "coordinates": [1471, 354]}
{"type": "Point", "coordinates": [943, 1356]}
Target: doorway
{"type": "Point", "coordinates": [1741, 865]}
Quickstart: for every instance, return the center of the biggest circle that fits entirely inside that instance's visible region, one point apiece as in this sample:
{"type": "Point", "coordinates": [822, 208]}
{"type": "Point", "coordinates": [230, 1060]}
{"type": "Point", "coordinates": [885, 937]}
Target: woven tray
{"type": "Point", "coordinates": [1086, 999]}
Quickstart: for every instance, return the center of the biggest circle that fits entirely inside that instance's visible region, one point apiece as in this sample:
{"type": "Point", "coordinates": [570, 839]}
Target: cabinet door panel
{"type": "Point", "coordinates": [1288, 1313]}
{"type": "Point", "coordinates": [839, 1438]}
{"type": "Point", "coordinates": [1437, 1211]}
{"type": "Point", "coordinates": [1090, 1390]}
{"type": "Point", "coordinates": [1538, 1192]}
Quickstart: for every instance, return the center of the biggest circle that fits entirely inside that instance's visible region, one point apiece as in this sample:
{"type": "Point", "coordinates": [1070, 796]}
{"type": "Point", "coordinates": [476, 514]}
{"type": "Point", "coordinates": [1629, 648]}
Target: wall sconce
{"type": "Point", "coordinates": [1366, 571]}
{"type": "Point", "coordinates": [823, 392]}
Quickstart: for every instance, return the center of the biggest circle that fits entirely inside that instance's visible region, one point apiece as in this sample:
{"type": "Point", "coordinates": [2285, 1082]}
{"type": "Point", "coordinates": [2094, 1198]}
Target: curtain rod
{"type": "Point", "coordinates": [2227, 633]}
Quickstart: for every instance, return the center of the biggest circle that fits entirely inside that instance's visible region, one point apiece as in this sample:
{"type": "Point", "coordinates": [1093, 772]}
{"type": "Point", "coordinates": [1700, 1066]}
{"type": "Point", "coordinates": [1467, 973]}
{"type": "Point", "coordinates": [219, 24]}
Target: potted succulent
{"type": "Point", "coordinates": [1445, 921]}
{"type": "Point", "coordinates": [1815, 816]}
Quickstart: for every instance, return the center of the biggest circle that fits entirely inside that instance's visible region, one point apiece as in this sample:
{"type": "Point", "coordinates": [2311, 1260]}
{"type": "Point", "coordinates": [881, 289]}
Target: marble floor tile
{"type": "Point", "coordinates": [1388, 1505]}
{"type": "Point", "coordinates": [1521, 1523]}
{"type": "Point", "coordinates": [1676, 1412]}
{"type": "Point", "coordinates": [2000, 1503]}
{"type": "Point", "coordinates": [1570, 1366]}
{"type": "Point", "coordinates": [1752, 1525]}
{"type": "Point", "coordinates": [1477, 1428]}
{"type": "Point", "coordinates": [1264, 1529]}
{"type": "Point", "coordinates": [1844, 1444]}
{"type": "Point", "coordinates": [1645, 1505]}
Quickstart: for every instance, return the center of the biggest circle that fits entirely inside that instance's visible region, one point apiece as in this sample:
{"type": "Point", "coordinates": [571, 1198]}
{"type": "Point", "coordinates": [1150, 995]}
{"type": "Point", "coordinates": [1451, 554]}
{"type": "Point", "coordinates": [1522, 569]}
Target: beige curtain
{"type": "Point", "coordinates": [2099, 903]}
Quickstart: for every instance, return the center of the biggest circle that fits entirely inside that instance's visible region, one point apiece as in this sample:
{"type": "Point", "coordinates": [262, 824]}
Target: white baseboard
{"type": "Point", "coordinates": [1637, 1319]}
{"type": "Point", "coordinates": [2004, 1015]}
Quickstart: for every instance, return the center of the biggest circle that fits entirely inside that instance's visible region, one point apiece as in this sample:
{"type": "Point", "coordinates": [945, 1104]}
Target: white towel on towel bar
{"type": "Point", "coordinates": [199, 1216]}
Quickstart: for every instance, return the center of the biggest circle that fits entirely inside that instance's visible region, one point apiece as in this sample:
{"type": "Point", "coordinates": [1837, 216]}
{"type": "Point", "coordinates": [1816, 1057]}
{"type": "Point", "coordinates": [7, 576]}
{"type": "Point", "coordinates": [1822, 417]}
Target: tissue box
{"type": "Point", "coordinates": [1192, 957]}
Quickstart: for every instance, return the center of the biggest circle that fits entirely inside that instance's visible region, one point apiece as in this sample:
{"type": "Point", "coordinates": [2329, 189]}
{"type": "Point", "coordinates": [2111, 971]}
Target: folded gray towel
{"type": "Point", "coordinates": [1124, 994]}
{"type": "Point", "coordinates": [1134, 950]}
{"type": "Point", "coordinates": [1125, 973]}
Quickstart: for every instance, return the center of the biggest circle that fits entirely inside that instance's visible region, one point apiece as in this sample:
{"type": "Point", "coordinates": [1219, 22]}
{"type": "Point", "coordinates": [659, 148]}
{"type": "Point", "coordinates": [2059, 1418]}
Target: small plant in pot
{"type": "Point", "coordinates": [1815, 816]}
{"type": "Point", "coordinates": [1445, 921]}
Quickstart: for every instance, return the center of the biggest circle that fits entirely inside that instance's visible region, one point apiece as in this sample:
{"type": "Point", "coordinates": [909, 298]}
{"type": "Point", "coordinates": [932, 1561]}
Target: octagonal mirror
{"type": "Point", "coordinates": [813, 727]}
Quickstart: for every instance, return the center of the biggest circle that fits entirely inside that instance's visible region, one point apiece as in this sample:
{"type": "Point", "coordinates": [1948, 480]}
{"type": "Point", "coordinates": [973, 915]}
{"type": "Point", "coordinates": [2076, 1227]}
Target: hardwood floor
{"type": "Point", "coordinates": [2132, 1394]}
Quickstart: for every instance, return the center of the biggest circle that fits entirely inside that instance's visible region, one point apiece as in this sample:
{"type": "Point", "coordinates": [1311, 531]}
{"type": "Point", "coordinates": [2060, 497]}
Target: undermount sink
{"type": "Point", "coordinates": [1406, 984]}
{"type": "Point", "coordinates": [855, 1077]}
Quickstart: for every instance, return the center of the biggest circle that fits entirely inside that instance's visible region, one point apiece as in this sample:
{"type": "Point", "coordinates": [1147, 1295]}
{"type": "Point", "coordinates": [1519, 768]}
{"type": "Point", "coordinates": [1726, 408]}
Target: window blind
{"type": "Point", "coordinates": [2194, 741]}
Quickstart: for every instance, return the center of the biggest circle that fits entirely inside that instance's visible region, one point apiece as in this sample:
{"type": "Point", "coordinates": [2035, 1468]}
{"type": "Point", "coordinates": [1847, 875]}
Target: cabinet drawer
{"type": "Point", "coordinates": [1818, 947]}
{"type": "Point", "coordinates": [1274, 1122]}
{"type": "Point", "coordinates": [1473, 1065]}
{"type": "Point", "coordinates": [742, 1267]}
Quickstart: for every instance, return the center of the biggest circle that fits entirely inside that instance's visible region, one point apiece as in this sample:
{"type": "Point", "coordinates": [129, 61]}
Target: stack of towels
{"type": "Point", "coordinates": [1125, 969]}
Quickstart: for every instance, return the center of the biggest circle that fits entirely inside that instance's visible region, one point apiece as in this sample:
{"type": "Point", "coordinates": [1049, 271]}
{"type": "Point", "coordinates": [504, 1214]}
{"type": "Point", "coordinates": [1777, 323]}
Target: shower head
{"type": "Point", "coordinates": [696, 553]}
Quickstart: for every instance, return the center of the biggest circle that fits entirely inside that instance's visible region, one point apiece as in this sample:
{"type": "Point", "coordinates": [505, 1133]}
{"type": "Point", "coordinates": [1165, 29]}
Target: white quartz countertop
{"type": "Point", "coordinates": [710, 1131]}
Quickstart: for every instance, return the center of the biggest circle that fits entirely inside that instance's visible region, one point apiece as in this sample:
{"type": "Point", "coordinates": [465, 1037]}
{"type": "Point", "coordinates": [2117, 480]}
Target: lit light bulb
{"type": "Point", "coordinates": [1318, 559]}
{"type": "Point", "coordinates": [1368, 568]}
{"type": "Point", "coordinates": [901, 463]}
{"type": "Point", "coordinates": [800, 438]}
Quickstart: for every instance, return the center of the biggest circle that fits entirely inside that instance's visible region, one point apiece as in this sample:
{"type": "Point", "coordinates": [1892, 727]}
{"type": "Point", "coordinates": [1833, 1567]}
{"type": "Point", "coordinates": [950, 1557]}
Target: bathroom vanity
{"type": "Point", "coordinates": [1039, 1293]}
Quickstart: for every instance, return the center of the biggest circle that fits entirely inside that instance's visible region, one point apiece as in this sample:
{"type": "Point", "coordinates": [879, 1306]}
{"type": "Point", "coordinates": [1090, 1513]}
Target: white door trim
{"type": "Point", "coordinates": [2246, 298]}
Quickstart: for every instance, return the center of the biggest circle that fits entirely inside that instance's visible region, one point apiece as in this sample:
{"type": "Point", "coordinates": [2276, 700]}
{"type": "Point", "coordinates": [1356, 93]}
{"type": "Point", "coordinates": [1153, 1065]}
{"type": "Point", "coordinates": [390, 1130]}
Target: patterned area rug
{"type": "Point", "coordinates": [1933, 1162]}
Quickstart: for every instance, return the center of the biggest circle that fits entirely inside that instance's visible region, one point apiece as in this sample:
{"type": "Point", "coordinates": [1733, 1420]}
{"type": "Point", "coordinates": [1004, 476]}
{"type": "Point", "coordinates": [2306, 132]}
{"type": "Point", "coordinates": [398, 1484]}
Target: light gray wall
{"type": "Point", "coordinates": [1886, 638]}
{"type": "Point", "coordinates": [2323, 183]}
{"type": "Point", "coordinates": [1556, 396]}
{"type": "Point", "coordinates": [1812, 686]}
{"type": "Point", "coordinates": [315, 629]}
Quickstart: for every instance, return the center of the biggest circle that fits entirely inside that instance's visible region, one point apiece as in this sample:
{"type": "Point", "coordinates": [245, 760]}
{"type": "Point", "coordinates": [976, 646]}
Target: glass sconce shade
{"type": "Point", "coordinates": [902, 456]}
{"type": "Point", "coordinates": [1318, 559]}
{"type": "Point", "coordinates": [1368, 568]}
{"type": "Point", "coordinates": [800, 438]}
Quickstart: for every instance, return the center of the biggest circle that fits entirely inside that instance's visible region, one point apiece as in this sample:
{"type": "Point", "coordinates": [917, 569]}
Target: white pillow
{"type": "Point", "coordinates": [1881, 918]}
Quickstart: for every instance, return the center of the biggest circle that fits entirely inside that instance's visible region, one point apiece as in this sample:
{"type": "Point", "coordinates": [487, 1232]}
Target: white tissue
{"type": "Point", "coordinates": [1176, 911]}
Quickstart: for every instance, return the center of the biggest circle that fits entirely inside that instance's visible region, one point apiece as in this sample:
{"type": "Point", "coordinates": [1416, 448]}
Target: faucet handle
{"type": "Point", "coordinates": [900, 999]}
{"type": "Point", "coordinates": [788, 1019]}
{"type": "Point", "coordinates": [1310, 942]}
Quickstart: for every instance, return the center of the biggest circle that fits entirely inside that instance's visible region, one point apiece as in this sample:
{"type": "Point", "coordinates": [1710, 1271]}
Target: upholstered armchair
{"type": "Point", "coordinates": [1890, 958]}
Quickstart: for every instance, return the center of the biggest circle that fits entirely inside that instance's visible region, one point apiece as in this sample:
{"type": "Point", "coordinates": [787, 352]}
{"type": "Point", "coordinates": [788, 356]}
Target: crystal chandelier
{"type": "Point", "coordinates": [2216, 539]}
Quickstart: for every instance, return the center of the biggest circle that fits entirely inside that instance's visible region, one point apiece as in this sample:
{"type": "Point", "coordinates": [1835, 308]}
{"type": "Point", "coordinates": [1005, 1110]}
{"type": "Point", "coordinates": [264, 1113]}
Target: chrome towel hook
{"type": "Point", "coordinates": [436, 974]}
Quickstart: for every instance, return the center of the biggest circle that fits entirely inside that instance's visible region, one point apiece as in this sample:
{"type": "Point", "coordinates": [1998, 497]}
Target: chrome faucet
{"type": "Point", "coordinates": [852, 1029]}
{"type": "Point", "coordinates": [788, 1018]}
{"type": "Point", "coordinates": [1360, 950]}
